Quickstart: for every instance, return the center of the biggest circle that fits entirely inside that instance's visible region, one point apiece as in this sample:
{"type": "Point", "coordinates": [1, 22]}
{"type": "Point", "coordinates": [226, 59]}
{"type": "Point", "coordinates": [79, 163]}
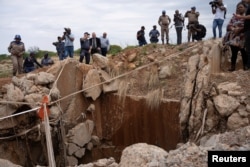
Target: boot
{"type": "Point", "coordinates": [162, 42]}
{"type": "Point", "coordinates": [232, 68]}
{"type": "Point", "coordinates": [167, 42]}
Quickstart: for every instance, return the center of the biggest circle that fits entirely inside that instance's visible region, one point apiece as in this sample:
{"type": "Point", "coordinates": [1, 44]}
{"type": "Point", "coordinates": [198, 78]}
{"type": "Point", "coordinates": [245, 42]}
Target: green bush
{"type": "Point", "coordinates": [114, 49]}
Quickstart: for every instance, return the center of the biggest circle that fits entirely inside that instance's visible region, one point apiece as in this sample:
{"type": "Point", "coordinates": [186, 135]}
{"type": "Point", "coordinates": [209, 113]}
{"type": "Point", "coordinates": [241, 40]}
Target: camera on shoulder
{"type": "Point", "coordinates": [214, 3]}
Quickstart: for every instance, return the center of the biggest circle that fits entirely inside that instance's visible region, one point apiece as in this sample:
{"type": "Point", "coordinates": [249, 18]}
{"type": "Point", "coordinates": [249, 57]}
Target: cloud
{"type": "Point", "coordinates": [39, 22]}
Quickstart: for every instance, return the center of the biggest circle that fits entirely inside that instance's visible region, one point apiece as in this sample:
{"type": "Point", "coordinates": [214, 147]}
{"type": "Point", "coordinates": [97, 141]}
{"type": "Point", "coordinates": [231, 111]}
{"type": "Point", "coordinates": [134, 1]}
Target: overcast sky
{"type": "Point", "coordinates": [39, 22]}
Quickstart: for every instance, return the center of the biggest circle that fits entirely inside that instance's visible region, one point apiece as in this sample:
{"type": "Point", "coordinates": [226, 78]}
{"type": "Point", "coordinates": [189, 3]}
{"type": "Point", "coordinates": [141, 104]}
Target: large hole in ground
{"type": "Point", "coordinates": [122, 123]}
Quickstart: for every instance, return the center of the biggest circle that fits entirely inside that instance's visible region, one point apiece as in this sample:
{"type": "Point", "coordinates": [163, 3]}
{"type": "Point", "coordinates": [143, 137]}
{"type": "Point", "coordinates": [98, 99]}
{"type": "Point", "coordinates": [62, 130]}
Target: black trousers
{"type": "Point", "coordinates": [235, 51]}
{"type": "Point", "coordinates": [86, 54]}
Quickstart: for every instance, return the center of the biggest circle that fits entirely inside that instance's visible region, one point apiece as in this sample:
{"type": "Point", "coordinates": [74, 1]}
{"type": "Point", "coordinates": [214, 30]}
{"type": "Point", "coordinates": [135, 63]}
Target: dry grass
{"type": "Point", "coordinates": [153, 99]}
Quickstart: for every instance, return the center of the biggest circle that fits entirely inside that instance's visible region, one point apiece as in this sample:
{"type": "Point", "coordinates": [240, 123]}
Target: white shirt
{"type": "Point", "coordinates": [104, 42]}
{"type": "Point", "coordinates": [219, 14]}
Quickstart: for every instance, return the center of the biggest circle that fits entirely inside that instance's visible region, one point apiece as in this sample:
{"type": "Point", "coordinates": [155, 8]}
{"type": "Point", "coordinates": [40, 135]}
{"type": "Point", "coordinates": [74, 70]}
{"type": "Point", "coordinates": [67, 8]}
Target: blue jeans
{"type": "Point", "coordinates": [217, 23]}
{"type": "Point", "coordinates": [69, 51]}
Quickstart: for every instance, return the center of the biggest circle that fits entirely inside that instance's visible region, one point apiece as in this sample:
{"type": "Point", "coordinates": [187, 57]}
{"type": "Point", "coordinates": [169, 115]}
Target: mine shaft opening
{"type": "Point", "coordinates": [133, 121]}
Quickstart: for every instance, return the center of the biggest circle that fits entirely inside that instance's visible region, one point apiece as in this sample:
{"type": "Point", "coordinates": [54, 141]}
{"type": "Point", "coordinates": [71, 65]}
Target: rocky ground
{"type": "Point", "coordinates": [214, 103]}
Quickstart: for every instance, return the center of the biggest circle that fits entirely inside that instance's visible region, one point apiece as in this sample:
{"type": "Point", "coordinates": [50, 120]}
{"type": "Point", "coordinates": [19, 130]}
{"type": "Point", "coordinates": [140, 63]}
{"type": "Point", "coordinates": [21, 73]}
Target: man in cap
{"type": "Point", "coordinates": [141, 36]}
{"type": "Point", "coordinates": [192, 22]}
{"type": "Point", "coordinates": [154, 34]}
{"type": "Point", "coordinates": [17, 49]}
{"type": "Point", "coordinates": [85, 46]}
{"type": "Point", "coordinates": [164, 21]}
{"type": "Point", "coordinates": [69, 43]}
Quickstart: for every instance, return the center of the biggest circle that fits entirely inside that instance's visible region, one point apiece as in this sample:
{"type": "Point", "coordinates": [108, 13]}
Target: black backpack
{"type": "Point", "coordinates": [200, 34]}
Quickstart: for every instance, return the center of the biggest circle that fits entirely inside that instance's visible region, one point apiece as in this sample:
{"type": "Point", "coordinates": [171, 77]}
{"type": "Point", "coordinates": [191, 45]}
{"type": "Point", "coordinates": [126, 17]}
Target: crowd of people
{"type": "Point", "coordinates": [237, 37]}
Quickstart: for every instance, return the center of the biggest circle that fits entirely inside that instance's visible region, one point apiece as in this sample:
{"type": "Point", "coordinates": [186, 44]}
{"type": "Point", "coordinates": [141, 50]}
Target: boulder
{"type": "Point", "coordinates": [14, 94]}
{"type": "Point", "coordinates": [81, 133]}
{"type": "Point", "coordinates": [43, 78]}
{"type": "Point", "coordinates": [142, 154]}
{"type": "Point", "coordinates": [92, 78]}
{"type": "Point", "coordinates": [225, 104]}
{"type": "Point", "coordinates": [235, 121]}
{"type": "Point", "coordinates": [100, 61]}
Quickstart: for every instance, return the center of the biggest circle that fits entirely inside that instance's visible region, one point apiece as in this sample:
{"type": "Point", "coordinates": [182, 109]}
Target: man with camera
{"type": "Point", "coordinates": [219, 10]}
{"type": "Point", "coordinates": [192, 22]}
{"type": "Point", "coordinates": [69, 45]}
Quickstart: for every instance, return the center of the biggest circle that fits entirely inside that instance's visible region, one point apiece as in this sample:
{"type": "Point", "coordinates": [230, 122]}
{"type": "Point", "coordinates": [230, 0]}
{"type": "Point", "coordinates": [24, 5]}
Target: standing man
{"type": "Point", "coordinates": [192, 22]}
{"type": "Point", "coordinates": [179, 23]}
{"type": "Point", "coordinates": [95, 44]}
{"type": "Point", "coordinates": [164, 21]}
{"type": "Point", "coordinates": [141, 36]}
{"type": "Point", "coordinates": [246, 18]}
{"type": "Point", "coordinates": [219, 10]}
{"type": "Point", "coordinates": [154, 34]}
{"type": "Point", "coordinates": [84, 42]}
{"type": "Point", "coordinates": [59, 48]}
{"type": "Point", "coordinates": [17, 49]}
{"type": "Point", "coordinates": [69, 45]}
{"type": "Point", "coordinates": [104, 44]}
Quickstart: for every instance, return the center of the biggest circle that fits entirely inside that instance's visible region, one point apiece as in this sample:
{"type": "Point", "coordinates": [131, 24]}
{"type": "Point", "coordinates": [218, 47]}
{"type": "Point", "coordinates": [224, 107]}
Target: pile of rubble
{"type": "Point", "coordinates": [188, 73]}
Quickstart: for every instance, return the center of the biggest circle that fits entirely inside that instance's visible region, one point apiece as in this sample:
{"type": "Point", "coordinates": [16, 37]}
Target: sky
{"type": "Point", "coordinates": [40, 22]}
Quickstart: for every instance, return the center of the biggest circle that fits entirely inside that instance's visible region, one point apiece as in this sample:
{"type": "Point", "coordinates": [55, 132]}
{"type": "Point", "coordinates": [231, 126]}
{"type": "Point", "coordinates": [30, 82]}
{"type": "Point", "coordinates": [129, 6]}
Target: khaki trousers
{"type": "Point", "coordinates": [164, 32]}
{"type": "Point", "coordinates": [17, 62]}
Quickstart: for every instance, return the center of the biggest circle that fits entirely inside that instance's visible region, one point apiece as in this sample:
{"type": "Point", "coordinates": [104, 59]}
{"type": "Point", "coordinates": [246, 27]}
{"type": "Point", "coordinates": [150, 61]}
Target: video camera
{"type": "Point", "coordinates": [67, 31]}
{"type": "Point", "coordinates": [214, 3]}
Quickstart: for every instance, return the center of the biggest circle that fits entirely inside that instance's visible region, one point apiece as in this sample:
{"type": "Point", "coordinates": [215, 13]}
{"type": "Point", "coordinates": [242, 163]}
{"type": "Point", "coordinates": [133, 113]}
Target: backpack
{"type": "Point", "coordinates": [200, 34]}
{"type": "Point", "coordinates": [203, 31]}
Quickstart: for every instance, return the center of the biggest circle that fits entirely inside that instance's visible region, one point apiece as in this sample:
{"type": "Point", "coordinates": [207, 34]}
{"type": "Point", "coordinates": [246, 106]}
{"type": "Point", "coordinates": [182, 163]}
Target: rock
{"type": "Point", "coordinates": [187, 155]}
{"type": "Point", "coordinates": [91, 108]}
{"type": "Point", "coordinates": [81, 133]}
{"type": "Point", "coordinates": [89, 146]}
{"type": "Point", "coordinates": [100, 61]}
{"type": "Point", "coordinates": [72, 161]}
{"type": "Point", "coordinates": [235, 121]}
{"type": "Point", "coordinates": [225, 104]}
{"type": "Point", "coordinates": [142, 154]}
{"type": "Point", "coordinates": [72, 148]}
{"type": "Point", "coordinates": [95, 140]}
{"type": "Point", "coordinates": [109, 86]}
{"type": "Point", "coordinates": [14, 94]}
{"type": "Point", "coordinates": [131, 66]}
{"type": "Point", "coordinates": [7, 163]}
{"type": "Point", "coordinates": [92, 79]}
{"type": "Point", "coordinates": [54, 112]}
{"type": "Point", "coordinates": [34, 99]}
{"type": "Point", "coordinates": [132, 57]}
{"type": "Point", "coordinates": [43, 78]}
{"type": "Point", "coordinates": [165, 72]}
{"type": "Point", "coordinates": [80, 153]}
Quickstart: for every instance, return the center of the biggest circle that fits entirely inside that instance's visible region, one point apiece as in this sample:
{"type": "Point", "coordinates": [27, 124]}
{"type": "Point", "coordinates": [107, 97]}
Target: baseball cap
{"type": "Point", "coordinates": [17, 37]}
{"type": "Point", "coordinates": [87, 33]}
{"type": "Point", "coordinates": [193, 7]}
{"type": "Point", "coordinates": [163, 11]}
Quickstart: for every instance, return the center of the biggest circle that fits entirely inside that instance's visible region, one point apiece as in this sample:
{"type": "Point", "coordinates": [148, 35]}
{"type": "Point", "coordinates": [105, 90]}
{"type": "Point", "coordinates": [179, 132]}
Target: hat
{"type": "Point", "coordinates": [193, 7]}
{"type": "Point", "coordinates": [87, 33]}
{"type": "Point", "coordinates": [163, 11]}
{"type": "Point", "coordinates": [142, 27]}
{"type": "Point", "coordinates": [17, 37]}
{"type": "Point", "coordinates": [154, 26]}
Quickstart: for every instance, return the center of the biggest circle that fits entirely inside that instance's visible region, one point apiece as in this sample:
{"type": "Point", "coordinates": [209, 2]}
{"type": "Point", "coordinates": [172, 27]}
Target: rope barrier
{"type": "Point", "coordinates": [108, 81]}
